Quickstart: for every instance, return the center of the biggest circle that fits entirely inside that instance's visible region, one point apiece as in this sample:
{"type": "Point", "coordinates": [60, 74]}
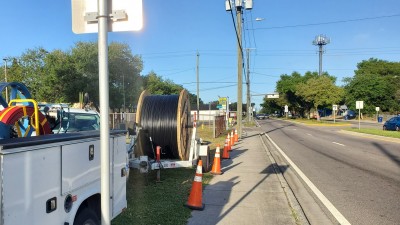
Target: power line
{"type": "Point", "coordinates": [234, 25]}
{"type": "Point", "coordinates": [325, 23]}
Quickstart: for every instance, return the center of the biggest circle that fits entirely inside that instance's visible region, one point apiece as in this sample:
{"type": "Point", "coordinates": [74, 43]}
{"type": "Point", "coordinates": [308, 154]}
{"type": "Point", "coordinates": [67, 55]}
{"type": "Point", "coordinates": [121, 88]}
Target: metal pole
{"type": "Point", "coordinates": [320, 60]}
{"type": "Point", "coordinates": [123, 88]}
{"type": "Point", "coordinates": [248, 103]}
{"type": "Point", "coordinates": [240, 69]}
{"type": "Point", "coordinates": [197, 78]}
{"type": "Point", "coordinates": [227, 113]}
{"type": "Point", "coordinates": [5, 77]}
{"type": "Point", "coordinates": [104, 112]}
{"type": "Point", "coordinates": [209, 114]}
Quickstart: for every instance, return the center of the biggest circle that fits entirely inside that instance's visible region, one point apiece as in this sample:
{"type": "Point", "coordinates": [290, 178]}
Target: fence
{"type": "Point", "coordinates": [122, 120]}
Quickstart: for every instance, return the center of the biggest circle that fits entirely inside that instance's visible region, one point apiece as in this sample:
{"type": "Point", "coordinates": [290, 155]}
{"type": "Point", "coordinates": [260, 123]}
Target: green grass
{"type": "Point", "coordinates": [206, 134]}
{"type": "Point", "coordinates": [316, 122]}
{"type": "Point", "coordinates": [385, 133]}
{"type": "Point", "coordinates": [150, 202]}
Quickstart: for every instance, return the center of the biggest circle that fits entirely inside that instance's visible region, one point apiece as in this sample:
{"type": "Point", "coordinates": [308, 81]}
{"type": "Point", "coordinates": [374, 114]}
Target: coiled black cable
{"type": "Point", "coordinates": [159, 120]}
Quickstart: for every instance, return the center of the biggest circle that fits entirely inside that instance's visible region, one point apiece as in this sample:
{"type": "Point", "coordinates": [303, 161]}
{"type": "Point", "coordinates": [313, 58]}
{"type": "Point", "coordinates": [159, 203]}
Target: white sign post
{"type": "Point", "coordinates": [102, 16]}
{"type": "Point", "coordinates": [359, 106]}
{"type": "Point", "coordinates": [286, 110]}
{"type": "Point", "coordinates": [377, 113]}
{"type": "Point", "coordinates": [334, 108]}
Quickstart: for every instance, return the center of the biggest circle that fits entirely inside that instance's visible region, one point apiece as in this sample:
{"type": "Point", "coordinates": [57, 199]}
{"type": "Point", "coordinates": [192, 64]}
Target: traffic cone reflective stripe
{"type": "Point", "coordinates": [195, 197]}
{"type": "Point", "coordinates": [216, 167]}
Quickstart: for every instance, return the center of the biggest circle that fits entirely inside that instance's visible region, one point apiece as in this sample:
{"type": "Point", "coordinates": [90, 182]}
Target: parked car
{"type": "Point", "coordinates": [392, 124]}
{"type": "Point", "coordinates": [262, 116]}
{"type": "Point", "coordinates": [349, 114]}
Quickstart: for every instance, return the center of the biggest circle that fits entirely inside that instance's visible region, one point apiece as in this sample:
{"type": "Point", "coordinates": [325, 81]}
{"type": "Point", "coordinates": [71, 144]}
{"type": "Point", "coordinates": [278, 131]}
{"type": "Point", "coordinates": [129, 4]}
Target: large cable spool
{"type": "Point", "coordinates": [166, 120]}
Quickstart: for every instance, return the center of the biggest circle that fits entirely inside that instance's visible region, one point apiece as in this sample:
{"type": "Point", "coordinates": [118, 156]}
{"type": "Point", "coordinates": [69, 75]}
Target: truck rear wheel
{"type": "Point", "coordinates": [87, 217]}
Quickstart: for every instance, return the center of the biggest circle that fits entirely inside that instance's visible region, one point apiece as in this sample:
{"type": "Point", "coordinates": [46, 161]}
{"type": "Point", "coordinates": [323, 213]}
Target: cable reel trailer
{"type": "Point", "coordinates": [165, 121]}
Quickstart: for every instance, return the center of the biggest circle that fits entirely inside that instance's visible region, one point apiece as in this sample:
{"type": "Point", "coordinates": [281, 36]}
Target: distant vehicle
{"type": "Point", "coordinates": [349, 114]}
{"type": "Point", "coordinates": [74, 120]}
{"type": "Point", "coordinates": [262, 116]}
{"type": "Point", "coordinates": [392, 124]}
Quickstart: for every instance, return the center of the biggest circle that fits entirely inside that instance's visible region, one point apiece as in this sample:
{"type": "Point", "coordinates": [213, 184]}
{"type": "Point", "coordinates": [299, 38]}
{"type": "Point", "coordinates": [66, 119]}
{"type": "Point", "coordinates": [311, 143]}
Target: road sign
{"type": "Point", "coordinates": [125, 15]}
{"type": "Point", "coordinates": [286, 109]}
{"type": "Point", "coordinates": [359, 104]}
{"type": "Point", "coordinates": [274, 95]}
{"type": "Point", "coordinates": [219, 106]}
{"type": "Point", "coordinates": [377, 109]}
{"type": "Point", "coordinates": [334, 107]}
{"type": "Point", "coordinates": [222, 100]}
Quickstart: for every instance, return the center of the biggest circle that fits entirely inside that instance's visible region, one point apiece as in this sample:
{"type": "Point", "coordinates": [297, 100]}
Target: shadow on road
{"type": "Point", "coordinates": [387, 153]}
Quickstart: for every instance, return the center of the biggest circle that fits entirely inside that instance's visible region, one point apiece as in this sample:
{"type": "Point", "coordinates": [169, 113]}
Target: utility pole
{"type": "Point", "coordinates": [320, 41]}
{"type": "Point", "coordinates": [240, 69]}
{"type": "Point", "coordinates": [239, 7]}
{"type": "Point", "coordinates": [248, 106]}
{"type": "Point", "coordinates": [123, 89]}
{"type": "Point", "coordinates": [248, 100]}
{"type": "Point", "coordinates": [197, 78]}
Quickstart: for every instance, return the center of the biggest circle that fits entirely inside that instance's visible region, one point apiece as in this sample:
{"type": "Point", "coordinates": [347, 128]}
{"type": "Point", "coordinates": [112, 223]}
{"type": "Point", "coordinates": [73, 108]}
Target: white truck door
{"type": "Point", "coordinates": [118, 179]}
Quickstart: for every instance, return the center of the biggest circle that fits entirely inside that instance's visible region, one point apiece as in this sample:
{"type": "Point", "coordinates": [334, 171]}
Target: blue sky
{"type": "Point", "coordinates": [175, 30]}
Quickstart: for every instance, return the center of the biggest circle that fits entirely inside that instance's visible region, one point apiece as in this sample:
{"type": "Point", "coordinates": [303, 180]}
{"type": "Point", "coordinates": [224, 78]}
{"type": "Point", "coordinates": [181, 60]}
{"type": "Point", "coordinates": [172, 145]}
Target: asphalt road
{"type": "Point", "coordinates": [360, 176]}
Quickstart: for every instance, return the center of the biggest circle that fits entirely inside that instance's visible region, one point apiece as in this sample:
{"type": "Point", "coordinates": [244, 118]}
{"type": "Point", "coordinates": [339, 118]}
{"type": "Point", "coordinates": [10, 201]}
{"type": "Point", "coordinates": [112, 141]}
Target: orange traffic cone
{"type": "Point", "coordinates": [195, 197]}
{"type": "Point", "coordinates": [232, 139]}
{"type": "Point", "coordinates": [216, 167]}
{"type": "Point", "coordinates": [225, 153]}
{"type": "Point", "coordinates": [236, 136]}
{"type": "Point", "coordinates": [228, 142]}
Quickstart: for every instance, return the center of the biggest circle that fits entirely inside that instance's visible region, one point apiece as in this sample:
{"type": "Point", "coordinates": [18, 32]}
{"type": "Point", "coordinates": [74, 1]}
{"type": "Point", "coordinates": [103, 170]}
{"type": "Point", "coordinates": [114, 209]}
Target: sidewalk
{"type": "Point", "coordinates": [248, 192]}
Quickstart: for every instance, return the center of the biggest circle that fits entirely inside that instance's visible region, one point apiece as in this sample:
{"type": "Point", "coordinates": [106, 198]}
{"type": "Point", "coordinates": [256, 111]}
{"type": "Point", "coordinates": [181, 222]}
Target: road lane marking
{"type": "Point", "coordinates": [309, 134]}
{"type": "Point", "coordinates": [338, 143]}
{"type": "Point", "coordinates": [332, 209]}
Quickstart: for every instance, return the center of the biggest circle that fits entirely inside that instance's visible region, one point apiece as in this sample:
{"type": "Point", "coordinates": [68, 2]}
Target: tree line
{"type": "Point", "coordinates": [58, 76]}
{"type": "Point", "coordinates": [375, 81]}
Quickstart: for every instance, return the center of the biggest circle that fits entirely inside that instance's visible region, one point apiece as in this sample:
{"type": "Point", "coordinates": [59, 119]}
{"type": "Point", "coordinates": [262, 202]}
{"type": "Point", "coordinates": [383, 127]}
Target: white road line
{"type": "Point", "coordinates": [338, 143]}
{"type": "Point", "coordinates": [332, 209]}
{"type": "Point", "coordinates": [309, 134]}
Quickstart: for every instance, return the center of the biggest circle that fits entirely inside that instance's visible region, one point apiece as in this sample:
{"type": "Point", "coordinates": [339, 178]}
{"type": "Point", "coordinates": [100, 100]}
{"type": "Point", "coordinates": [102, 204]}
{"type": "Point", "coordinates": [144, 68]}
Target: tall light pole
{"type": "Point", "coordinates": [5, 77]}
{"type": "Point", "coordinates": [320, 41]}
{"type": "Point", "coordinates": [239, 7]}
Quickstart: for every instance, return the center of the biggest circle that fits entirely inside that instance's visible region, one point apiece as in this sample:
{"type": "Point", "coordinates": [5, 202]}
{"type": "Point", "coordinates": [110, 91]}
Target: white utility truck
{"type": "Point", "coordinates": [55, 179]}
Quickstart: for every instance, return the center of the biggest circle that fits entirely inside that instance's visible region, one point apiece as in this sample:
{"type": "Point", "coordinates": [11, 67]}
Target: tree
{"type": "Point", "coordinates": [320, 91]}
{"type": "Point", "coordinates": [287, 88]}
{"type": "Point", "coordinates": [376, 83]}
{"type": "Point", "coordinates": [124, 72]}
{"type": "Point", "coordinates": [156, 85]}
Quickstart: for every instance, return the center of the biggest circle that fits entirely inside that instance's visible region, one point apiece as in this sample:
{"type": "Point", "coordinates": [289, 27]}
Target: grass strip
{"type": "Point", "coordinates": [384, 133]}
{"type": "Point", "coordinates": [150, 202]}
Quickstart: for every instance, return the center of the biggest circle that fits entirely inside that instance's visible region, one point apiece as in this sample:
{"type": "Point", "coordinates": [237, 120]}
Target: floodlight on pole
{"type": "Point", "coordinates": [320, 41]}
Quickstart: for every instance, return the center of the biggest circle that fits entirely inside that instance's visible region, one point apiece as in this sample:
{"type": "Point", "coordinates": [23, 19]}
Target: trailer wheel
{"type": "Point", "coordinates": [87, 217]}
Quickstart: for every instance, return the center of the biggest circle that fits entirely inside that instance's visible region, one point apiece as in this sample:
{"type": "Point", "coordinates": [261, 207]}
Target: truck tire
{"type": "Point", "coordinates": [87, 217]}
